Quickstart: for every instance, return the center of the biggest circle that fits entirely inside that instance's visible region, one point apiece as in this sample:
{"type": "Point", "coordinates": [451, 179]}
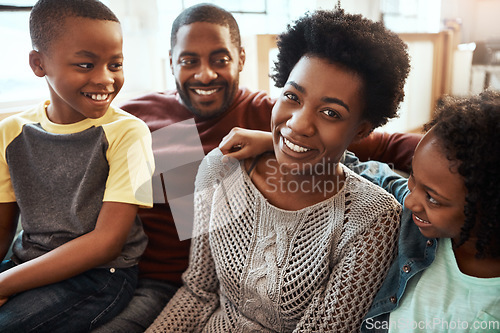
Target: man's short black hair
{"type": "Point", "coordinates": [356, 43]}
{"type": "Point", "coordinates": [209, 13]}
{"type": "Point", "coordinates": [48, 17]}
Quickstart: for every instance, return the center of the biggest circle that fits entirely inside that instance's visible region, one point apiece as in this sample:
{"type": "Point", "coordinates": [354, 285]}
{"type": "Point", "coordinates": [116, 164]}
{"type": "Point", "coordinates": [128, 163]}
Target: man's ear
{"type": "Point", "coordinates": [364, 129]}
{"type": "Point", "coordinates": [242, 59]}
{"type": "Point", "coordinates": [171, 65]}
{"type": "Point", "coordinates": [36, 63]}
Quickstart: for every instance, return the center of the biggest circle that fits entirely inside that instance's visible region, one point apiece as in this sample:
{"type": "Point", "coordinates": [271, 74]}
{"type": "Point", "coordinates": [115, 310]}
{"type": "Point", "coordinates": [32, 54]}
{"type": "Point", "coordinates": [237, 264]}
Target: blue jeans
{"type": "Point", "coordinates": [78, 304]}
{"type": "Point", "coordinates": [150, 298]}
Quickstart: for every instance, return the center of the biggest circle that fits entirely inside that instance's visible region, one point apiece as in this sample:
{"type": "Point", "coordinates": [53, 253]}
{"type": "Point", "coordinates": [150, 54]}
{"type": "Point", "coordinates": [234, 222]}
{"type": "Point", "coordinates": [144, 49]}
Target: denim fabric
{"type": "Point", "coordinates": [78, 304]}
{"type": "Point", "coordinates": [149, 299]}
{"type": "Point", "coordinates": [415, 252]}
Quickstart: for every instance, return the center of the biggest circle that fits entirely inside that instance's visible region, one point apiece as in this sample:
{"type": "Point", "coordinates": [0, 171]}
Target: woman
{"type": "Point", "coordinates": [292, 240]}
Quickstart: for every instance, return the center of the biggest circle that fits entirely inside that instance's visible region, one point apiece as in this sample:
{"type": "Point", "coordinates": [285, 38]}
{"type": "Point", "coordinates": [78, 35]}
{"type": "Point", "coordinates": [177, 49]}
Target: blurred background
{"type": "Point", "coordinates": [454, 47]}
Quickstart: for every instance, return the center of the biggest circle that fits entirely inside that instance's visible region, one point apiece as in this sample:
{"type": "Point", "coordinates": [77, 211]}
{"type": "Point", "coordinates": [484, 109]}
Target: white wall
{"type": "Point", "coordinates": [479, 18]}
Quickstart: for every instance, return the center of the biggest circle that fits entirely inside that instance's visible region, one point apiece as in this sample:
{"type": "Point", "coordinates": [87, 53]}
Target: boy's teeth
{"type": "Point", "coordinates": [205, 92]}
{"type": "Point", "coordinates": [98, 97]}
{"type": "Point", "coordinates": [294, 147]}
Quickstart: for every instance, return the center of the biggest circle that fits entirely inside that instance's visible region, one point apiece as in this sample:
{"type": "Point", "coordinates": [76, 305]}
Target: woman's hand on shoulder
{"type": "Point", "coordinates": [243, 143]}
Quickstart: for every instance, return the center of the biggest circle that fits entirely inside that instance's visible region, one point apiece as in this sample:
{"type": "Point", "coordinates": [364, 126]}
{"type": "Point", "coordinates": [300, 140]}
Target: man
{"type": "Point", "coordinates": [206, 58]}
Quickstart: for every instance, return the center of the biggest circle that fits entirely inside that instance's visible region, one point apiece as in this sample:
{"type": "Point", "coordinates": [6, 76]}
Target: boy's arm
{"type": "Point", "coordinates": [9, 213]}
{"type": "Point", "coordinates": [88, 251]}
{"type": "Point", "coordinates": [243, 143]}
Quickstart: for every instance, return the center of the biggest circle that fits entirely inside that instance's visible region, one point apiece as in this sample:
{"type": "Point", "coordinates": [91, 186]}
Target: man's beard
{"type": "Point", "coordinates": [229, 95]}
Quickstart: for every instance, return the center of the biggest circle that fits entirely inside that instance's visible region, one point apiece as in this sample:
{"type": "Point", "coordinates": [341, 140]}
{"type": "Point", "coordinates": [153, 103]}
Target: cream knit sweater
{"type": "Point", "coordinates": [258, 268]}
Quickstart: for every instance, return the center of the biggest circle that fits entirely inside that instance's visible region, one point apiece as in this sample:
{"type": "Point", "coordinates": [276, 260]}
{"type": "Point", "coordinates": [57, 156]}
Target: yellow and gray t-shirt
{"type": "Point", "coordinates": [60, 175]}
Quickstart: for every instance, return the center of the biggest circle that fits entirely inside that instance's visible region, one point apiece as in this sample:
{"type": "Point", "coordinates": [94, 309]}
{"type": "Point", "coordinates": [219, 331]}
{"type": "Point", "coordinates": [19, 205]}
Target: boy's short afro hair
{"type": "Point", "coordinates": [358, 44]}
{"type": "Point", "coordinates": [48, 17]}
{"type": "Point", "coordinates": [469, 130]}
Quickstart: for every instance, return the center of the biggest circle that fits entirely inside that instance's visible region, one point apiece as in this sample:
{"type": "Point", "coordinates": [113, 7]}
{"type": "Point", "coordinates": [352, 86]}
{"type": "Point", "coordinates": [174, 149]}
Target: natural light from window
{"type": "Point", "coordinates": [17, 81]}
{"type": "Point", "coordinates": [146, 27]}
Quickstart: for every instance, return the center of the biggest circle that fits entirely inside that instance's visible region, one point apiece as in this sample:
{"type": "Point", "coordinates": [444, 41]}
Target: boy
{"type": "Point", "coordinates": [76, 169]}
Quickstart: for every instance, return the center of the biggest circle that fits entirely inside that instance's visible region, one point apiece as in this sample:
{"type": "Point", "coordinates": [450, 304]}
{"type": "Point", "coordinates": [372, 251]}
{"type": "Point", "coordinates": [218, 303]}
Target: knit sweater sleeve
{"type": "Point", "coordinates": [197, 299]}
{"type": "Point", "coordinates": [341, 304]}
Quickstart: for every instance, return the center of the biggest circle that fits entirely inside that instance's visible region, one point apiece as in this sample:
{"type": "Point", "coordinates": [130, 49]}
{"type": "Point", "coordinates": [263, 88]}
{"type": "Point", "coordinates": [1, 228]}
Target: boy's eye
{"type": "Point", "coordinates": [116, 66]}
{"type": "Point", "coordinates": [86, 65]}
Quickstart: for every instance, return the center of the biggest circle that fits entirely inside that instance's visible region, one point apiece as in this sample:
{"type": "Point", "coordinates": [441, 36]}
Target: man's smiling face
{"type": "Point", "coordinates": [206, 66]}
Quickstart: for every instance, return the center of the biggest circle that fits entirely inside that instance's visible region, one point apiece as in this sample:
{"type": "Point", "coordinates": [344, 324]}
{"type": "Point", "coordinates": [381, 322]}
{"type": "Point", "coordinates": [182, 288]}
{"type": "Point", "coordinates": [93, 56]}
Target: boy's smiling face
{"type": "Point", "coordinates": [83, 69]}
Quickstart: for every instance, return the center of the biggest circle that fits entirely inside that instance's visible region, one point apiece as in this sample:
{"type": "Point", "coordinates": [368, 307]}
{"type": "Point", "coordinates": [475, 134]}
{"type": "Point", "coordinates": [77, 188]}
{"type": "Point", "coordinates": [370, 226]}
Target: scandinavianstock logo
{"type": "Point", "coordinates": [178, 153]}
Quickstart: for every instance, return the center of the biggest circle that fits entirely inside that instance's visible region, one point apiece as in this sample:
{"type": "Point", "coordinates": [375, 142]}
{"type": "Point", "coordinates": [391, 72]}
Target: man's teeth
{"type": "Point", "coordinates": [294, 147]}
{"type": "Point", "coordinates": [98, 97]}
{"type": "Point", "coordinates": [420, 220]}
{"type": "Point", "coordinates": [205, 92]}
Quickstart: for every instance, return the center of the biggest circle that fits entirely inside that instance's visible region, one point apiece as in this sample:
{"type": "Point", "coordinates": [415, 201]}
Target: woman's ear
{"type": "Point", "coordinates": [364, 129]}
{"type": "Point", "coordinates": [36, 63]}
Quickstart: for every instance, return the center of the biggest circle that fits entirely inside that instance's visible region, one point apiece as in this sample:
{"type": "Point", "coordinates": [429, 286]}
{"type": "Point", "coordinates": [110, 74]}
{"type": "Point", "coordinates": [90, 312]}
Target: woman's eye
{"type": "Point", "coordinates": [331, 113]}
{"type": "Point", "coordinates": [291, 96]}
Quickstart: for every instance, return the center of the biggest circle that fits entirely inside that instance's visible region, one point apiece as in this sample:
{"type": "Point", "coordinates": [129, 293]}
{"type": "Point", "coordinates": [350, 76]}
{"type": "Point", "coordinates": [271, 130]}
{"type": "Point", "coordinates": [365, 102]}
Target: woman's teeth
{"type": "Point", "coordinates": [205, 92]}
{"type": "Point", "coordinates": [294, 147]}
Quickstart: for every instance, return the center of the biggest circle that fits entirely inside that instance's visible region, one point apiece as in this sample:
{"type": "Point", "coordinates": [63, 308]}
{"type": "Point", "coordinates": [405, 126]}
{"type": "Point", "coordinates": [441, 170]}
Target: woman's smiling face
{"type": "Point", "coordinates": [318, 114]}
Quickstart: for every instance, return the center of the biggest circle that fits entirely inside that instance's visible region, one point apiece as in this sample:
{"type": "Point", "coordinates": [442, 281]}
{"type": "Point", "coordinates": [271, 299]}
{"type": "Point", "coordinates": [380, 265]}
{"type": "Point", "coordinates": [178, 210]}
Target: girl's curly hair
{"type": "Point", "coordinates": [469, 130]}
{"type": "Point", "coordinates": [358, 44]}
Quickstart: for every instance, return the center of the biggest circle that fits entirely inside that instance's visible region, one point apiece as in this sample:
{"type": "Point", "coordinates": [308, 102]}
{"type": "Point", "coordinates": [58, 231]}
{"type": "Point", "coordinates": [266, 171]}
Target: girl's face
{"type": "Point", "coordinates": [437, 191]}
{"type": "Point", "coordinates": [318, 114]}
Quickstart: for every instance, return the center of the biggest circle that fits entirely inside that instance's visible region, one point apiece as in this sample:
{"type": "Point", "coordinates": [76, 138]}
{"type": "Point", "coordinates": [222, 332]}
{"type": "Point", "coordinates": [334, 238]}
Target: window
{"type": "Point", "coordinates": [146, 28]}
{"type": "Point", "coordinates": [17, 81]}
{"type": "Point", "coordinates": [411, 15]}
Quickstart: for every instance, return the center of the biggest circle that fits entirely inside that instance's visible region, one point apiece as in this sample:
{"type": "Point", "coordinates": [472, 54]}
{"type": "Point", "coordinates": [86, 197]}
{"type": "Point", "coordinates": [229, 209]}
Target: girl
{"type": "Point", "coordinates": [451, 221]}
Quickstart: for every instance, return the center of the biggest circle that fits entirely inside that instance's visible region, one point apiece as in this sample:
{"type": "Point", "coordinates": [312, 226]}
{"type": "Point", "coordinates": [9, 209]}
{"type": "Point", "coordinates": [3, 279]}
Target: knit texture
{"type": "Point", "coordinates": [258, 268]}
